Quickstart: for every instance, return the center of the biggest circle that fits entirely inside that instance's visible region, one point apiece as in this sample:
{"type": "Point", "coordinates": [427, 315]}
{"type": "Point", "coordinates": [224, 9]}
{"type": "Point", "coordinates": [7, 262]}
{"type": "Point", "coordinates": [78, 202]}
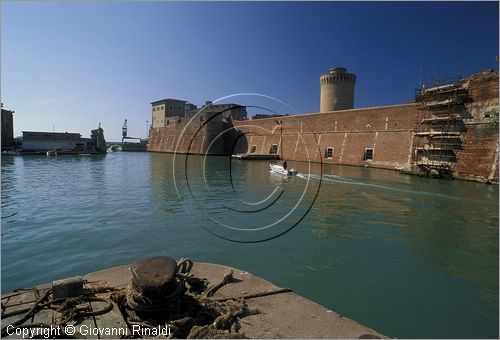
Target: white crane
{"type": "Point", "coordinates": [124, 130]}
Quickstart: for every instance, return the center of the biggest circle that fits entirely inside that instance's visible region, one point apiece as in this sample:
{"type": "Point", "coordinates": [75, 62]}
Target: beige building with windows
{"type": "Point", "coordinates": [164, 108]}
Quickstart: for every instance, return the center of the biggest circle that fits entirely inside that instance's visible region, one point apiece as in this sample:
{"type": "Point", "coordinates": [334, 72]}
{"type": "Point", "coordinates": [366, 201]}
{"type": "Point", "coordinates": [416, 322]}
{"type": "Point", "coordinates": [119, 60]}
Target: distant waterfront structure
{"type": "Point", "coordinates": [337, 90]}
{"type": "Point", "coordinates": [133, 143]}
{"type": "Point", "coordinates": [35, 142]}
{"type": "Point", "coordinates": [7, 128]}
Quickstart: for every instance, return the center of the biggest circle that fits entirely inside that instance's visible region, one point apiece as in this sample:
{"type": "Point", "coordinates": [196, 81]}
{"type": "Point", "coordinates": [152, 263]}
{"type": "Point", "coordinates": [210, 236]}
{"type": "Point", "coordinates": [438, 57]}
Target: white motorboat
{"type": "Point", "coordinates": [113, 148]}
{"type": "Point", "coordinates": [51, 153]}
{"type": "Point", "coordinates": [282, 171]}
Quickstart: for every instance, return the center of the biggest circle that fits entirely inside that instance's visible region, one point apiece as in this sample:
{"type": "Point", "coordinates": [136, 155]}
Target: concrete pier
{"type": "Point", "coordinates": [285, 315]}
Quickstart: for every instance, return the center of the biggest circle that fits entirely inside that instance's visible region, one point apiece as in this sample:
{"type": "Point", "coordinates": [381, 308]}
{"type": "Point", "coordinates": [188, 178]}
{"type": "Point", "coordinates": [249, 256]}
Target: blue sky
{"type": "Point", "coordinates": [73, 65]}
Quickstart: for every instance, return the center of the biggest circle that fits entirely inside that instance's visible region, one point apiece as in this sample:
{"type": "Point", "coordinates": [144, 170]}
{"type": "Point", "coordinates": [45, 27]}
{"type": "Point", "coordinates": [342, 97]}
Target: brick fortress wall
{"type": "Point", "coordinates": [388, 130]}
{"type": "Point", "coordinates": [478, 159]}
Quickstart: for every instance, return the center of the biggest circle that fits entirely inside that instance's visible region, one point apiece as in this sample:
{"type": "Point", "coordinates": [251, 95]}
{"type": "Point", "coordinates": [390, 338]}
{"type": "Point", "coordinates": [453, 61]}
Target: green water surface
{"type": "Point", "coordinates": [408, 256]}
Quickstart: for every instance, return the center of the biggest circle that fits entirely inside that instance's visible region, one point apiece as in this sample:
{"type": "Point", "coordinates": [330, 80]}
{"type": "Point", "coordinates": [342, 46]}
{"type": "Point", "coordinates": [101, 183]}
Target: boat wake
{"type": "Point", "coordinates": [334, 179]}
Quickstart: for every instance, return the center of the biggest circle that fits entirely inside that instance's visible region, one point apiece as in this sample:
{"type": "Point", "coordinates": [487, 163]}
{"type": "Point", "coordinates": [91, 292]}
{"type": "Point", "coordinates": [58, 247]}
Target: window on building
{"type": "Point", "coordinates": [154, 108]}
{"type": "Point", "coordinates": [168, 122]}
{"type": "Point", "coordinates": [178, 108]}
{"type": "Point", "coordinates": [274, 149]}
{"type": "Point", "coordinates": [368, 156]}
{"type": "Point", "coordinates": [253, 149]}
{"type": "Point", "coordinates": [329, 152]}
{"type": "Point", "coordinates": [171, 108]}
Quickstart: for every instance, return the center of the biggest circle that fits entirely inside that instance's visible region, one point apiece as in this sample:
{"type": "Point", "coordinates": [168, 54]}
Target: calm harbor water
{"type": "Point", "coordinates": [407, 256]}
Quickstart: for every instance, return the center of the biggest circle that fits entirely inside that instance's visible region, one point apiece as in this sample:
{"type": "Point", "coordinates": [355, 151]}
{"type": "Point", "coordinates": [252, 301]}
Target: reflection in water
{"type": "Point", "coordinates": [242, 201]}
{"type": "Point", "coordinates": [165, 198]}
{"type": "Point", "coordinates": [454, 234]}
{"type": "Point", "coordinates": [381, 248]}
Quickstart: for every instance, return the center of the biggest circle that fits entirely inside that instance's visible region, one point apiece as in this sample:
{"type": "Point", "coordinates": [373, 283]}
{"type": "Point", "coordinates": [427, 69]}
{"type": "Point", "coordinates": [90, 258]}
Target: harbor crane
{"type": "Point", "coordinates": [124, 130]}
{"type": "Point", "coordinates": [125, 133]}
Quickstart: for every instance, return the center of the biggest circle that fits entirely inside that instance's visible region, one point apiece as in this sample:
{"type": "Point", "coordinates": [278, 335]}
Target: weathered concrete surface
{"type": "Point", "coordinates": [285, 315]}
{"type": "Point", "coordinates": [26, 299]}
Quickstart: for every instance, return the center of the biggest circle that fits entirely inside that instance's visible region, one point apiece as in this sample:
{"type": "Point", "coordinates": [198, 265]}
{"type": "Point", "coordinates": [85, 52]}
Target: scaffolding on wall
{"type": "Point", "coordinates": [439, 134]}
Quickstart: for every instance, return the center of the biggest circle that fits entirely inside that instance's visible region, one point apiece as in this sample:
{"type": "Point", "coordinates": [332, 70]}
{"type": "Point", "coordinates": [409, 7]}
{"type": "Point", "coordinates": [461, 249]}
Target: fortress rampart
{"type": "Point", "coordinates": [197, 135]}
{"type": "Point", "coordinates": [459, 139]}
{"type": "Point", "coordinates": [306, 137]}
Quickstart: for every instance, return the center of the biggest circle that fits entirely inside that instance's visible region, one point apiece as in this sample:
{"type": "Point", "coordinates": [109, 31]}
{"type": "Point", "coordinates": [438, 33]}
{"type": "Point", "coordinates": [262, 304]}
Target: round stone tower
{"type": "Point", "coordinates": [337, 90]}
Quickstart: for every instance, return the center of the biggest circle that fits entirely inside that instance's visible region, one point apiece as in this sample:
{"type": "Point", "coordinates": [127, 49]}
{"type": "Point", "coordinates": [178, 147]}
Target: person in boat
{"type": "Point", "coordinates": [285, 165]}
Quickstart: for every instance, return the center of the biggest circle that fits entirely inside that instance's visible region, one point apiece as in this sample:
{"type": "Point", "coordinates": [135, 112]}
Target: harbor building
{"type": "Point", "coordinates": [449, 130]}
{"type": "Point", "coordinates": [34, 141]}
{"type": "Point", "coordinates": [7, 128]}
{"type": "Point", "coordinates": [37, 142]}
{"type": "Point", "coordinates": [165, 108]}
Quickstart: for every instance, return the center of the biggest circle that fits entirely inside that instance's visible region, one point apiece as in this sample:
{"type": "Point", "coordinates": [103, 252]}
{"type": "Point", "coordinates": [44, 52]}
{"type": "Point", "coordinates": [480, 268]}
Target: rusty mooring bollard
{"type": "Point", "coordinates": [153, 287]}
